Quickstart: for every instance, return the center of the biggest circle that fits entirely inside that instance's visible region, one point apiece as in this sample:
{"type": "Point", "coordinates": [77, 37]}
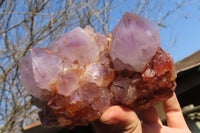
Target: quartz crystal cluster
{"type": "Point", "coordinates": [82, 73]}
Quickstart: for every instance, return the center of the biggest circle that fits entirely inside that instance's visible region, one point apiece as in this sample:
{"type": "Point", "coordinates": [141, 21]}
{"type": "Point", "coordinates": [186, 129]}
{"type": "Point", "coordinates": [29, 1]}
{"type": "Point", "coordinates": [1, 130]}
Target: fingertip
{"type": "Point", "coordinates": [118, 114]}
{"type": "Point", "coordinates": [111, 120]}
{"type": "Point", "coordinates": [122, 118]}
{"type": "Point", "coordinates": [110, 116]}
{"type": "Point", "coordinates": [150, 115]}
{"type": "Point", "coordinates": [175, 118]}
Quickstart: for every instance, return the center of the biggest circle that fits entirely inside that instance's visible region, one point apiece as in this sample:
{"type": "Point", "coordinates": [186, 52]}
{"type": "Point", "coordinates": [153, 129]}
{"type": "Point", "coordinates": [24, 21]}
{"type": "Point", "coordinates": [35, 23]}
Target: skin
{"type": "Point", "coordinates": [120, 119]}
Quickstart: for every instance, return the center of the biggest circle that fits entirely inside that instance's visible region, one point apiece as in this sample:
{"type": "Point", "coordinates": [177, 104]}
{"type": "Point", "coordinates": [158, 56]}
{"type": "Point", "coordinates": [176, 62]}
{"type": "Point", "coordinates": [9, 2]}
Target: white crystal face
{"type": "Point", "coordinates": [46, 66]}
{"type": "Point", "coordinates": [26, 70]}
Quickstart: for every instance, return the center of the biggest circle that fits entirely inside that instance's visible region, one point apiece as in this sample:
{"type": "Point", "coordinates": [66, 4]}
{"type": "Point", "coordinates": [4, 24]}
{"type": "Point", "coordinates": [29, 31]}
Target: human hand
{"type": "Point", "coordinates": [124, 120]}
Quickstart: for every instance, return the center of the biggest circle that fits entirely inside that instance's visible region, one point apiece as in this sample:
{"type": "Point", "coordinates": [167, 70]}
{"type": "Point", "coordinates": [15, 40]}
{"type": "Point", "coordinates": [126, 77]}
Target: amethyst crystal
{"type": "Point", "coordinates": [133, 38]}
{"type": "Point", "coordinates": [82, 73]}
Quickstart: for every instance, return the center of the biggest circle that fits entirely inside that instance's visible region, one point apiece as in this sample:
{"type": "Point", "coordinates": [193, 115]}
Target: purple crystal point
{"type": "Point", "coordinates": [134, 43]}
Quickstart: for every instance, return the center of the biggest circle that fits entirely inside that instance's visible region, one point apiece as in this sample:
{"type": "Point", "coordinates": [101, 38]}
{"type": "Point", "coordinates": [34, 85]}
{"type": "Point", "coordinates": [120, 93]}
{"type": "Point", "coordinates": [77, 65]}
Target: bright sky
{"type": "Point", "coordinates": [183, 27]}
{"type": "Point", "coordinates": [186, 28]}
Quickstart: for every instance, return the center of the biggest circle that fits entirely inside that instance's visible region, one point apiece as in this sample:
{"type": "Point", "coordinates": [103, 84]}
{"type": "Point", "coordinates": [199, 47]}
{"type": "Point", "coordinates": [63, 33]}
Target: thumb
{"type": "Point", "coordinates": [122, 118]}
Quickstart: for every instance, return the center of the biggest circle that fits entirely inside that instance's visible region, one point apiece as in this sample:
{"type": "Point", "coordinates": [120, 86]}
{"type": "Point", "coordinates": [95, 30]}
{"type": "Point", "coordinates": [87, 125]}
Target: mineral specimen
{"type": "Point", "coordinates": [82, 73]}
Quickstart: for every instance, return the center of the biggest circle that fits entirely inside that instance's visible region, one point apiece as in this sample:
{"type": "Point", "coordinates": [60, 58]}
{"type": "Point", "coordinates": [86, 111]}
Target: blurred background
{"type": "Point", "coordinates": [25, 24]}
